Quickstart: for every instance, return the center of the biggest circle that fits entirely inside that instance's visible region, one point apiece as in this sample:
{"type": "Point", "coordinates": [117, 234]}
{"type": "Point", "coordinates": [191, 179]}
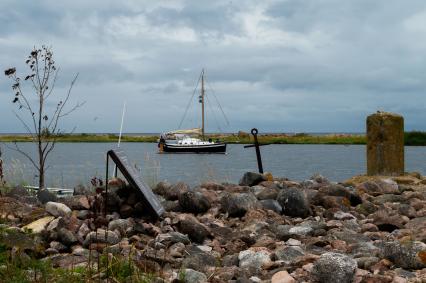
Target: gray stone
{"type": "Point", "coordinates": [82, 232]}
{"type": "Point", "coordinates": [58, 209]}
{"type": "Point", "coordinates": [193, 276]}
{"type": "Point", "coordinates": [44, 196]}
{"type": "Point", "coordinates": [367, 261]}
{"type": "Point", "coordinates": [76, 202]}
{"type": "Point", "coordinates": [121, 225]}
{"type": "Point", "coordinates": [271, 204]}
{"type": "Point", "coordinates": [161, 188]}
{"type": "Point", "coordinates": [199, 260]}
{"type": "Point", "coordinates": [171, 205]}
{"type": "Point", "coordinates": [289, 254]}
{"type": "Point", "coordinates": [177, 250]}
{"type": "Point", "coordinates": [172, 237]}
{"type": "Point", "coordinates": [251, 179]}
{"type": "Point", "coordinates": [253, 259]}
{"type": "Point", "coordinates": [175, 191]}
{"type": "Point", "coordinates": [66, 237]}
{"type": "Point", "coordinates": [83, 214]}
{"type": "Point", "coordinates": [300, 231]}
{"type": "Point", "coordinates": [318, 178]}
{"type": "Point", "coordinates": [102, 236]}
{"type": "Point", "coordinates": [67, 261]}
{"type": "Point", "coordinates": [294, 202]}
{"type": "Point", "coordinates": [194, 202]}
{"type": "Point", "coordinates": [378, 187]}
{"type": "Point", "coordinates": [410, 255]}
{"type": "Point", "coordinates": [55, 224]}
{"type": "Point", "coordinates": [340, 215]}
{"type": "Point", "coordinates": [267, 193]}
{"type": "Point", "coordinates": [334, 268]}
{"type": "Point", "coordinates": [58, 246]}
{"type": "Point", "coordinates": [126, 210]}
{"type": "Point", "coordinates": [195, 230]}
{"type": "Point", "coordinates": [282, 232]}
{"type": "Point", "coordinates": [230, 260]}
{"type": "Point", "coordinates": [79, 251]}
{"type": "Point", "coordinates": [237, 204]}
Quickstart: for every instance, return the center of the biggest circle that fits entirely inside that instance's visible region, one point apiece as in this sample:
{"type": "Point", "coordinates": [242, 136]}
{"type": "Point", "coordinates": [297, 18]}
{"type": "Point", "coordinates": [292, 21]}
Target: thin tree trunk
{"type": "Point", "coordinates": [41, 178]}
{"type": "Point", "coordinates": [40, 144]}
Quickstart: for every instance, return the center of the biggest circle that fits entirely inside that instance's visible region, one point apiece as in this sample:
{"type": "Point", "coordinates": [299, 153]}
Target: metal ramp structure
{"type": "Point", "coordinates": [134, 179]}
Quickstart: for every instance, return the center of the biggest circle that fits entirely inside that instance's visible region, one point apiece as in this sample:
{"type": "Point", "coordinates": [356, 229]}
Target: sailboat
{"type": "Point", "coordinates": [185, 143]}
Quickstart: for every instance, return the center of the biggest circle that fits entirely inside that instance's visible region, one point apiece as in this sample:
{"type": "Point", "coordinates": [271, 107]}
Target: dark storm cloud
{"type": "Point", "coordinates": [291, 65]}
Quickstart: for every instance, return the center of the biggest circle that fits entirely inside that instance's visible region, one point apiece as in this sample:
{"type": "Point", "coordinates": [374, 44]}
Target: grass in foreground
{"type": "Point", "coordinates": [21, 260]}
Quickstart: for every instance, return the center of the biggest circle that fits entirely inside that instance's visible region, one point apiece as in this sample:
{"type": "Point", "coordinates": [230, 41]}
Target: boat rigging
{"type": "Point", "coordinates": [187, 144]}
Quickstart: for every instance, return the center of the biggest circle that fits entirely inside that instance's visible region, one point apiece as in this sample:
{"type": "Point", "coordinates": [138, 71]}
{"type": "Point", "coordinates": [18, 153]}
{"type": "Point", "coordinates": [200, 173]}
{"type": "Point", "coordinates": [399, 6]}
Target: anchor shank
{"type": "Point", "coordinates": [258, 156]}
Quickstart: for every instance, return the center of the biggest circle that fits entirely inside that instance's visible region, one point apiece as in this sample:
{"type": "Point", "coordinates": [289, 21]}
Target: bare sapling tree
{"type": "Point", "coordinates": [40, 121]}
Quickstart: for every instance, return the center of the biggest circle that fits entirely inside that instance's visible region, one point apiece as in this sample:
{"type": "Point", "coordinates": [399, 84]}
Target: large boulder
{"type": "Point", "coordinates": [58, 209]}
{"type": "Point", "coordinates": [410, 254]}
{"type": "Point", "coordinates": [213, 186]}
{"type": "Point", "coordinates": [44, 196]}
{"type": "Point", "coordinates": [337, 190]}
{"type": "Point", "coordinates": [252, 179]}
{"type": "Point", "coordinates": [193, 276]}
{"type": "Point", "coordinates": [282, 277]}
{"type": "Point", "coordinates": [271, 204]}
{"type": "Point", "coordinates": [101, 236]}
{"type": "Point", "coordinates": [378, 187]}
{"type": "Point", "coordinates": [387, 220]}
{"type": "Point", "coordinates": [294, 203]}
{"type": "Point", "coordinates": [162, 188]}
{"type": "Point", "coordinates": [39, 225]}
{"type": "Point", "coordinates": [172, 238]}
{"type": "Point", "coordinates": [120, 224]}
{"type": "Point", "coordinates": [195, 230]}
{"type": "Point", "coordinates": [199, 260]}
{"type": "Point", "coordinates": [289, 254]}
{"type": "Point", "coordinates": [267, 193]}
{"type": "Point", "coordinates": [194, 202]}
{"type": "Point", "coordinates": [77, 202]}
{"type": "Point", "coordinates": [172, 192]}
{"type": "Point", "coordinates": [254, 259]}
{"type": "Point", "coordinates": [334, 268]}
{"type": "Point", "coordinates": [236, 204]}
{"type": "Point", "coordinates": [66, 237]}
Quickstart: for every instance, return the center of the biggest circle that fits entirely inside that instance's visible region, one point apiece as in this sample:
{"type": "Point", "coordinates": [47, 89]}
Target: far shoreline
{"type": "Point", "coordinates": [415, 138]}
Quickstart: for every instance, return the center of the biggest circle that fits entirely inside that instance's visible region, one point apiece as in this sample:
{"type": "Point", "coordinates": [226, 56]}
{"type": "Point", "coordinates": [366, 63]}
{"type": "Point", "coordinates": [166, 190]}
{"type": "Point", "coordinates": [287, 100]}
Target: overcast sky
{"type": "Point", "coordinates": [282, 66]}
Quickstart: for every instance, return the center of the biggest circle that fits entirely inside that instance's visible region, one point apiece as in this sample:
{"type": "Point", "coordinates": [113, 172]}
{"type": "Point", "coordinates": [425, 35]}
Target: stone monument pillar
{"type": "Point", "coordinates": [385, 144]}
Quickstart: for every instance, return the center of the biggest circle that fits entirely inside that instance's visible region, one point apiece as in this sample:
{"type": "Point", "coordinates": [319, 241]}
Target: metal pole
{"type": "Point", "coordinates": [202, 104]}
{"type": "Point", "coordinates": [121, 131]}
{"type": "Point", "coordinates": [106, 185]}
{"type": "Point", "coordinates": [254, 132]}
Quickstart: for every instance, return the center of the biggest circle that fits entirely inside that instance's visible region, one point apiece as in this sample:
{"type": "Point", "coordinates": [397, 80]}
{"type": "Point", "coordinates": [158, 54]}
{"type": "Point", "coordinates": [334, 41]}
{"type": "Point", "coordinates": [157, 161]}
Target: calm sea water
{"type": "Point", "coordinates": [76, 163]}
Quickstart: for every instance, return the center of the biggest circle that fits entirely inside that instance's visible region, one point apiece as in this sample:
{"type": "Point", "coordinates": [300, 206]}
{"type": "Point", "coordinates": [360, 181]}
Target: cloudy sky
{"type": "Point", "coordinates": [282, 66]}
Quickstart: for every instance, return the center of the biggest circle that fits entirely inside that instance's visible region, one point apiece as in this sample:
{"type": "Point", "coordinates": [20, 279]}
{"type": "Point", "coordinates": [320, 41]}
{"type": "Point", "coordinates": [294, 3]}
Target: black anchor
{"type": "Point", "coordinates": [256, 144]}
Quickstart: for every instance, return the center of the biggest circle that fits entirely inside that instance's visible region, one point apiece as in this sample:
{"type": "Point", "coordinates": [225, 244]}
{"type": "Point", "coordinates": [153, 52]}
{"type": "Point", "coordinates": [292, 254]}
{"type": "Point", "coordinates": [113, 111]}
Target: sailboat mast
{"type": "Point", "coordinates": [202, 103]}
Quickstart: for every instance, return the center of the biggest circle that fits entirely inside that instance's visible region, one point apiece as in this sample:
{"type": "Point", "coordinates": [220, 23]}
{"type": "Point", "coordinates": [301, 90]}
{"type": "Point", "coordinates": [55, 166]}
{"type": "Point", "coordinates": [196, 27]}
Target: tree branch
{"type": "Point", "coordinates": [25, 124]}
{"type": "Point", "coordinates": [23, 153]}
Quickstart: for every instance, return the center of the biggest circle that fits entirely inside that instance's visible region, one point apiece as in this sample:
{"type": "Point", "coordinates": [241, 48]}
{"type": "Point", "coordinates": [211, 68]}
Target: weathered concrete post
{"type": "Point", "coordinates": [385, 144]}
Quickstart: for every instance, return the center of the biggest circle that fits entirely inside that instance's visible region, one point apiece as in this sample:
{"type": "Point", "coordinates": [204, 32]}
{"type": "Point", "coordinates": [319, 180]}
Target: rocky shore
{"type": "Point", "coordinates": [265, 229]}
